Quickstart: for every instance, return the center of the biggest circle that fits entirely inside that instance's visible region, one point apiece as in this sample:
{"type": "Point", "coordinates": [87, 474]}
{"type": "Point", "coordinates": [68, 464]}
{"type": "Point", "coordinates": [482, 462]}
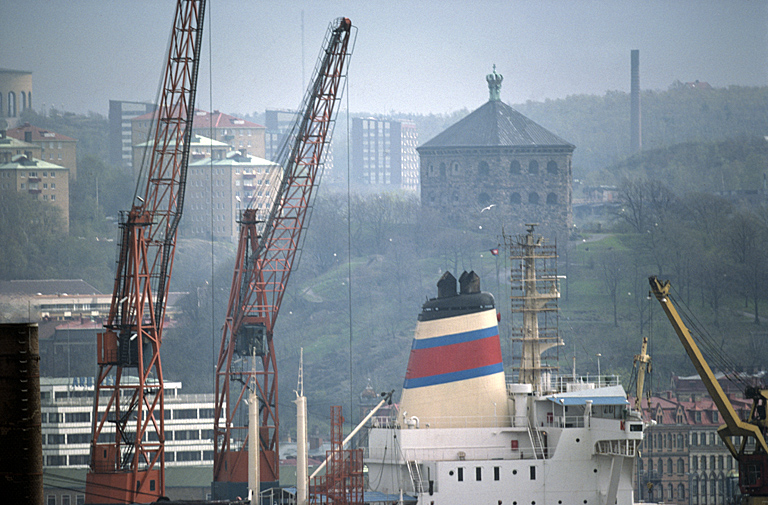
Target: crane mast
{"type": "Point", "coordinates": [753, 463]}
{"type": "Point", "coordinates": [267, 251]}
{"type": "Point", "coordinates": [127, 445]}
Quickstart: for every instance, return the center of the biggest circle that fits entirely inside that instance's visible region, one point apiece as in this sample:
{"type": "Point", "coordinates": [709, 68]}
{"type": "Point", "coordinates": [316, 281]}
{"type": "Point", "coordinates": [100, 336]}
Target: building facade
{"type": "Point", "coordinates": [384, 154]}
{"type": "Point", "coordinates": [41, 180]}
{"type": "Point", "coordinates": [499, 160]}
{"type": "Point", "coordinates": [121, 115]}
{"type": "Point", "coordinates": [219, 188]}
{"type": "Point", "coordinates": [683, 459]}
{"type": "Point", "coordinates": [15, 94]}
{"type": "Point", "coordinates": [54, 147]}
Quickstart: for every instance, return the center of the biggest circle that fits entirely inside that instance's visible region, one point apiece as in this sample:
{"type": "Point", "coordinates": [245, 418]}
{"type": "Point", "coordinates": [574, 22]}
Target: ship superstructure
{"type": "Point", "coordinates": [465, 434]}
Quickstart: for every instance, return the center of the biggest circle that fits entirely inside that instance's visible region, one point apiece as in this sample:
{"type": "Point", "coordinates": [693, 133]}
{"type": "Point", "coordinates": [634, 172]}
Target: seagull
{"type": "Point", "coordinates": [489, 207]}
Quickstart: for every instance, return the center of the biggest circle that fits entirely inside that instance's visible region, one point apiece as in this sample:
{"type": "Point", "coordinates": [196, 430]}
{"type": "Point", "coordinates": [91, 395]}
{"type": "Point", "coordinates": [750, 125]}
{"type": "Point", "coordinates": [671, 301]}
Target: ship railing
{"type": "Point", "coordinates": [566, 422]}
{"type": "Point", "coordinates": [569, 383]}
{"type": "Point", "coordinates": [498, 421]}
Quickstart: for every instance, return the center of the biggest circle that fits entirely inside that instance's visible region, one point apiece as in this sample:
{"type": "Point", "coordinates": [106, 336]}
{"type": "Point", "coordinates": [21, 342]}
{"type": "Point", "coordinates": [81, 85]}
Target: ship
{"type": "Point", "coordinates": [464, 433]}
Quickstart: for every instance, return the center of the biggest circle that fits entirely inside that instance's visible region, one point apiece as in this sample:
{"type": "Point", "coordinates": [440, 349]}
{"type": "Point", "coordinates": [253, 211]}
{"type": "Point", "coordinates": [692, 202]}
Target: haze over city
{"type": "Point", "coordinates": [422, 57]}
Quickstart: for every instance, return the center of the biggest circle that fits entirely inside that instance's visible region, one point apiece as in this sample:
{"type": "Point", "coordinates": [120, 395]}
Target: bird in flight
{"type": "Point", "coordinates": [489, 207]}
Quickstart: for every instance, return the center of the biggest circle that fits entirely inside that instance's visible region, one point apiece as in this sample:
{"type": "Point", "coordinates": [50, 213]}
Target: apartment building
{"type": "Point", "coordinates": [54, 147]}
{"type": "Point", "coordinates": [384, 154]}
{"type": "Point", "coordinates": [121, 115]}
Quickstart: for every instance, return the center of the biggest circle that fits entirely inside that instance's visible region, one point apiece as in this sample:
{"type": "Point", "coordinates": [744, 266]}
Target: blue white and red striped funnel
{"type": "Point", "coordinates": [455, 375]}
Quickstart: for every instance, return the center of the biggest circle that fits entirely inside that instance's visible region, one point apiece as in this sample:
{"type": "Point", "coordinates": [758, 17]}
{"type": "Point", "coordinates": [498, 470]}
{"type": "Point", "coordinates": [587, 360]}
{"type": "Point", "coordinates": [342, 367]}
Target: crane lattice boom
{"type": "Point", "coordinates": [267, 251]}
{"type": "Point", "coordinates": [127, 448]}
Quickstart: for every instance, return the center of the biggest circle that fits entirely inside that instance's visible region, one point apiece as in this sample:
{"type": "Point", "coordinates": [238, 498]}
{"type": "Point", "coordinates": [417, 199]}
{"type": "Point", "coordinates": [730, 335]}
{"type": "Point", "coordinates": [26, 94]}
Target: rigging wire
{"type": "Point", "coordinates": [349, 254]}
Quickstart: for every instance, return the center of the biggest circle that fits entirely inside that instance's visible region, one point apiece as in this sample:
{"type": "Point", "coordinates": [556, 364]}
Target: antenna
{"type": "Point", "coordinates": [300, 385]}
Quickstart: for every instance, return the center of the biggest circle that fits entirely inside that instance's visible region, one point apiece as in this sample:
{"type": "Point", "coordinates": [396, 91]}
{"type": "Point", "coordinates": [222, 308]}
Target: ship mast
{"type": "Point", "coordinates": [534, 296]}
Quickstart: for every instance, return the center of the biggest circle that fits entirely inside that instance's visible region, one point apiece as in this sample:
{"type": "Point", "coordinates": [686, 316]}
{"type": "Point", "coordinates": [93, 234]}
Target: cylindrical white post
{"type": "Point", "coordinates": [302, 482]}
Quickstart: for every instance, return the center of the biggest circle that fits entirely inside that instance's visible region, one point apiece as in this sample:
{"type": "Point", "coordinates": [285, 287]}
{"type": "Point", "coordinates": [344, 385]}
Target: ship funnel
{"type": "Point", "coordinates": [469, 282]}
{"type": "Point", "coordinates": [455, 376]}
{"type": "Point", "coordinates": [446, 286]}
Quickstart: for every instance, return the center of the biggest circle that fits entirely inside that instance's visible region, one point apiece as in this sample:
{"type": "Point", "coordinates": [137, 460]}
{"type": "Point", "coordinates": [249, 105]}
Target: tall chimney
{"type": "Point", "coordinates": [636, 136]}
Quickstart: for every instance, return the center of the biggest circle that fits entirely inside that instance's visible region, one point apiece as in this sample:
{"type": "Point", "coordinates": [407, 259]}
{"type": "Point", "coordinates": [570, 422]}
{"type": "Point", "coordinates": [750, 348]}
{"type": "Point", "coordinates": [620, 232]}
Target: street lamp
{"type": "Point", "coordinates": [598, 369]}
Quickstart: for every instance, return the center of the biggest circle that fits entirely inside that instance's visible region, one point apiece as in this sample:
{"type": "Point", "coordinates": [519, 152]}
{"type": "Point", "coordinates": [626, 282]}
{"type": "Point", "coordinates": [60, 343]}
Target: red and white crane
{"type": "Point", "coordinates": [127, 447]}
{"type": "Point", "coordinates": [267, 251]}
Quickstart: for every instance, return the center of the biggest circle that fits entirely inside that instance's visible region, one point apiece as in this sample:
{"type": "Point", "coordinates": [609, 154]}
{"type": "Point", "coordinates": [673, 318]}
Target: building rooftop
{"type": "Point", "coordinates": [495, 124]}
{"type": "Point", "coordinates": [47, 287]}
{"type": "Point", "coordinates": [38, 134]}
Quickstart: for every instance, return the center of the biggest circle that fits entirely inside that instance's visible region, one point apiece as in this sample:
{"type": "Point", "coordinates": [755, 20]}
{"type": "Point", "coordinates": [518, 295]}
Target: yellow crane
{"type": "Point", "coordinates": [752, 458]}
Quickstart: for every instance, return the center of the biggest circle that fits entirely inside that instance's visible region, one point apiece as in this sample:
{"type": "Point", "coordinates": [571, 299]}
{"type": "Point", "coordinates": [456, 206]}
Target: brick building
{"type": "Point", "coordinates": [683, 459]}
{"type": "Point", "coordinates": [497, 157]}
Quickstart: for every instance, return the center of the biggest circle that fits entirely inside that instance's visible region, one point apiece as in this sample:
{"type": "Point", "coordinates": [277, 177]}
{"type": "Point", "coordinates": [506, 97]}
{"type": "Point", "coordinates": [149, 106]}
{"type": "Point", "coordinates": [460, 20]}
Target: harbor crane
{"type": "Point", "coordinates": [752, 451]}
{"type": "Point", "coordinates": [267, 251]}
{"type": "Point", "coordinates": [128, 438]}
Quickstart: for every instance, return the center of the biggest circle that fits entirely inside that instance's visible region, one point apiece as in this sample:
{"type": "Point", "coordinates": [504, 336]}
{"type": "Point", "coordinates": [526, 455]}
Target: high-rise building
{"type": "Point", "coordinates": [121, 114]}
{"type": "Point", "coordinates": [384, 153]}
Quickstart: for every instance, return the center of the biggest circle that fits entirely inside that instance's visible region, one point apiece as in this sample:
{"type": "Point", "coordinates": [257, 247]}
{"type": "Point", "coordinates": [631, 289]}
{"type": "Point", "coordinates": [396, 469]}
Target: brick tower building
{"type": "Point", "coordinates": [498, 167]}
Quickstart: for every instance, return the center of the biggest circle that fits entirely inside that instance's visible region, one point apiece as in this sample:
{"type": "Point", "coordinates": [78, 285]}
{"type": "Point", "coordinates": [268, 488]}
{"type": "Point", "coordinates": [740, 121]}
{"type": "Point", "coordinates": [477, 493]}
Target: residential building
{"type": "Point", "coordinates": [499, 160]}
{"type": "Point", "coordinates": [683, 459]}
{"type": "Point", "coordinates": [41, 180]}
{"type": "Point", "coordinates": [15, 94]}
{"type": "Point", "coordinates": [219, 188]}
{"type": "Point", "coordinates": [55, 147]}
{"type": "Point", "coordinates": [234, 132]}
{"type": "Point", "coordinates": [278, 125]}
{"type": "Point", "coordinates": [200, 147]}
{"type": "Point", "coordinates": [11, 147]}
{"type": "Point", "coordinates": [121, 115]}
{"type": "Point", "coordinates": [384, 154]}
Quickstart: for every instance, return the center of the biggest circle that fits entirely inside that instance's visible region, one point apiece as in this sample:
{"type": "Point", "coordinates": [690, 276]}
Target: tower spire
{"type": "Point", "coordinates": [494, 85]}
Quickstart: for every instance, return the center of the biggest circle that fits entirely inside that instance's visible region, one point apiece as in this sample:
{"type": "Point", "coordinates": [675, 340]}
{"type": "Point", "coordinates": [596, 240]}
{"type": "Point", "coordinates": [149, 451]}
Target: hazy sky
{"type": "Point", "coordinates": [415, 56]}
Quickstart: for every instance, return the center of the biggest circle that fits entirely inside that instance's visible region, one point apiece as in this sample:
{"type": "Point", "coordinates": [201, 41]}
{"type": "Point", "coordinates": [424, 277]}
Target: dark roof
{"type": "Point", "coordinates": [47, 287]}
{"type": "Point", "coordinates": [492, 125]}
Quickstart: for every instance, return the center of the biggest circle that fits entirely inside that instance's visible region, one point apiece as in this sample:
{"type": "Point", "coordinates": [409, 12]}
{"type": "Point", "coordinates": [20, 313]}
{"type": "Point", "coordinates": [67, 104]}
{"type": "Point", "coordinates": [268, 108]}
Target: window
{"type": "Point", "coordinates": [185, 414]}
{"type": "Point", "coordinates": [680, 492]}
{"type": "Point", "coordinates": [514, 167]}
{"type": "Point", "coordinates": [533, 167]}
{"type": "Point", "coordinates": [496, 472]}
{"type": "Point", "coordinates": [478, 473]}
{"type": "Point", "coordinates": [78, 459]}
{"type": "Point", "coordinates": [78, 417]}
{"type": "Point", "coordinates": [515, 199]}
{"type": "Point", "coordinates": [55, 438]}
{"type": "Point", "coordinates": [79, 499]}
{"type": "Point", "coordinates": [533, 473]}
{"type": "Point", "coordinates": [56, 460]}
{"type": "Point", "coordinates": [533, 198]}
{"type": "Point", "coordinates": [483, 170]}
{"type": "Point", "coordinates": [460, 474]}
{"type": "Point", "coordinates": [680, 466]}
{"type": "Point", "coordinates": [51, 500]}
{"type": "Point", "coordinates": [78, 438]}
{"type": "Point", "coordinates": [694, 463]}
{"type": "Point", "coordinates": [552, 167]}
{"type": "Point", "coordinates": [483, 199]}
{"type": "Point", "coordinates": [552, 199]}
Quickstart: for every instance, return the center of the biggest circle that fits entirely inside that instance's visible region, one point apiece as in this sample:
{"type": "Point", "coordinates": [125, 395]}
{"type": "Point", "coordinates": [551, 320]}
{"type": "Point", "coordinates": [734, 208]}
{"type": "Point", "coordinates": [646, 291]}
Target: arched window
{"type": "Point", "coordinates": [455, 167]}
{"type": "Point", "coordinates": [695, 490]}
{"type": "Point", "coordinates": [552, 167]}
{"type": "Point", "coordinates": [680, 492]}
{"type": "Point", "coordinates": [661, 466]}
{"type": "Point", "coordinates": [680, 466]}
{"type": "Point", "coordinates": [11, 104]}
{"type": "Point", "coordinates": [483, 199]}
{"type": "Point", "coordinates": [703, 490]}
{"type": "Point", "coordinates": [483, 170]}
{"type": "Point", "coordinates": [442, 170]}
{"type": "Point", "coordinates": [552, 199]}
{"type": "Point", "coordinates": [533, 198]}
{"type": "Point", "coordinates": [23, 101]}
{"type": "Point", "coordinates": [670, 492]}
{"type": "Point", "coordinates": [670, 471]}
{"type": "Point", "coordinates": [533, 167]}
{"type": "Point", "coordinates": [29, 99]}
{"type": "Point", "coordinates": [514, 167]}
{"type": "Point", "coordinates": [515, 199]}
